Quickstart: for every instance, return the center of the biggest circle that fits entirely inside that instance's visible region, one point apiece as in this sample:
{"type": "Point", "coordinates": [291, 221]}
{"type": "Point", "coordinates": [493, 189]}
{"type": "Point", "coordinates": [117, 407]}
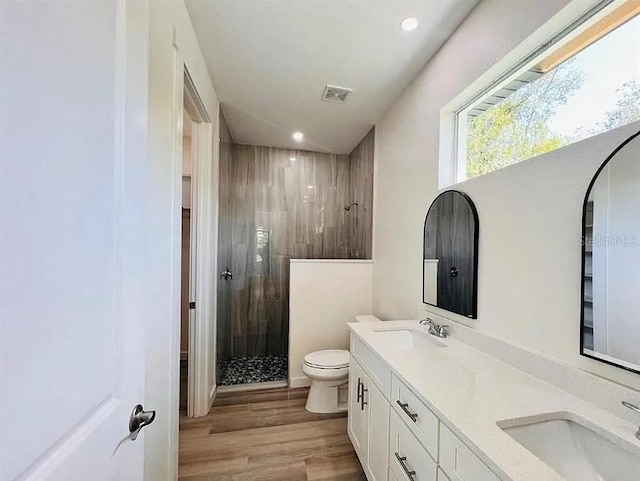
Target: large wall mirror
{"type": "Point", "coordinates": [610, 320]}
{"type": "Point", "coordinates": [450, 260]}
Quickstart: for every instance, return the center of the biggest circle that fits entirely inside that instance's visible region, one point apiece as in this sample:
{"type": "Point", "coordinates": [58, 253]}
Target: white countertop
{"type": "Point", "coordinates": [471, 392]}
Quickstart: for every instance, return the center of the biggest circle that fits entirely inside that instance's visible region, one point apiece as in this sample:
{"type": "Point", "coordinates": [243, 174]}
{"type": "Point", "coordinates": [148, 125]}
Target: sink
{"type": "Point", "coordinates": [576, 452]}
{"type": "Point", "coordinates": [407, 339]}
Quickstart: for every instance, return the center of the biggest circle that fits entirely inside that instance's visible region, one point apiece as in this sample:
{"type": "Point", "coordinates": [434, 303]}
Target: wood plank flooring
{"type": "Point", "coordinates": [266, 436]}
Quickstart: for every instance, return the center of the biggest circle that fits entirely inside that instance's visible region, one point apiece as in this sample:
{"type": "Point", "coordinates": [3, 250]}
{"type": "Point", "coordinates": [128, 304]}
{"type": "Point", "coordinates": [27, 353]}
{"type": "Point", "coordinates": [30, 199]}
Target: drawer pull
{"type": "Point", "coordinates": [405, 408]}
{"type": "Point", "coordinates": [359, 394]}
{"type": "Point", "coordinates": [363, 403]}
{"type": "Point", "coordinates": [401, 460]}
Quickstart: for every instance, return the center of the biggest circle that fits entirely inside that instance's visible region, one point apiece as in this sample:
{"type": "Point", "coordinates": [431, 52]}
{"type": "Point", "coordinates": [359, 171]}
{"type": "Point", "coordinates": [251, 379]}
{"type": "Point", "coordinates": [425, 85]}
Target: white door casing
{"type": "Point", "coordinates": [73, 150]}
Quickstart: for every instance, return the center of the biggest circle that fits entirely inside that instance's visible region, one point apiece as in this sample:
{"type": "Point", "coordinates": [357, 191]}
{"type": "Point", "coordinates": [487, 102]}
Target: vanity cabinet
{"type": "Point", "coordinates": [368, 423]}
{"type": "Point", "coordinates": [458, 462]}
{"type": "Point", "coordinates": [396, 436]}
{"type": "Point", "coordinates": [408, 459]}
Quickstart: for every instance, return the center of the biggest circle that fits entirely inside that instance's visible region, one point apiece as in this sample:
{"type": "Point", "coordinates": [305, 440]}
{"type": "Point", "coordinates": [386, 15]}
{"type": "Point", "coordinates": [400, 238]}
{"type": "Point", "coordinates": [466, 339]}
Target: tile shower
{"type": "Point", "coordinates": [275, 205]}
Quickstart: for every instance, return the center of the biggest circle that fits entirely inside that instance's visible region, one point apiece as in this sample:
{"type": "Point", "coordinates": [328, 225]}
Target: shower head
{"type": "Point", "coordinates": [349, 206]}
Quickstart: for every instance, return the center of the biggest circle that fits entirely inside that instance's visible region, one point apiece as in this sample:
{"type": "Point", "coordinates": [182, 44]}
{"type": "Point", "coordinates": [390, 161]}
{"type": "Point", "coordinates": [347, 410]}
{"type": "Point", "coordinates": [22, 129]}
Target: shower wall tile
{"type": "Point", "coordinates": [276, 209]}
{"type": "Point", "coordinates": [361, 191]}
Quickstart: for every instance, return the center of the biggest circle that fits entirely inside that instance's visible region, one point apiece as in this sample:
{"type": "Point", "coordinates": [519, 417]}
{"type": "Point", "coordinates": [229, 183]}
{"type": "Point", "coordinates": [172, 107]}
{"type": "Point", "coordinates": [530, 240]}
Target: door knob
{"type": "Point", "coordinates": [139, 419]}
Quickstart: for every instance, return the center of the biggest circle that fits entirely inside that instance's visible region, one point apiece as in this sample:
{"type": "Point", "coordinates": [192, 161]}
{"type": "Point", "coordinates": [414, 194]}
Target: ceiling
{"type": "Point", "coordinates": [270, 60]}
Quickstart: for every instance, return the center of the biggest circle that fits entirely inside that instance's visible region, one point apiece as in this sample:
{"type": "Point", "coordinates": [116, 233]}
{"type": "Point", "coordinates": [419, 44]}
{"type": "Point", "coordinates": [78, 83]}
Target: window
{"type": "Point", "coordinates": [585, 83]}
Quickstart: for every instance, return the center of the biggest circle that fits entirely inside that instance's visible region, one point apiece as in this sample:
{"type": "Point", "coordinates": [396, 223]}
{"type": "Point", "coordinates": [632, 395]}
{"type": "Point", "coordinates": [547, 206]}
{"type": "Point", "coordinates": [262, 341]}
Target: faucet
{"type": "Point", "coordinates": [435, 329]}
{"type": "Point", "coordinates": [635, 408]}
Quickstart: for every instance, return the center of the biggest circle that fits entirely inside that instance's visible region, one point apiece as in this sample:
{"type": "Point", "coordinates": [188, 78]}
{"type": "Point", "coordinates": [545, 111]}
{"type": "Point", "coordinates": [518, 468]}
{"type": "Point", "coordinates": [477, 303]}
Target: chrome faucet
{"type": "Point", "coordinates": [635, 408]}
{"type": "Point", "coordinates": [435, 329]}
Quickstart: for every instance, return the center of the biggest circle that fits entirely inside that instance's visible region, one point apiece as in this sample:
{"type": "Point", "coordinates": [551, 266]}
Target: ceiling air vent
{"type": "Point", "coordinates": [333, 93]}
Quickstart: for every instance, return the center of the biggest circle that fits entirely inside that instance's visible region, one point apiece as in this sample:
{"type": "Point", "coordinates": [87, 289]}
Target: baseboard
{"type": "Point", "coordinates": [296, 382]}
{"type": "Point", "coordinates": [212, 396]}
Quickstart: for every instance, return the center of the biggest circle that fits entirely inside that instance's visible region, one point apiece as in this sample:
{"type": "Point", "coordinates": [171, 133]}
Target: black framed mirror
{"type": "Point", "coordinates": [450, 254]}
{"type": "Point", "coordinates": [610, 308]}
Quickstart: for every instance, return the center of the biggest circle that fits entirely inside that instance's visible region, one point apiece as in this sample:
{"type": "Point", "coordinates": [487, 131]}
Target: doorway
{"type": "Point", "coordinates": [195, 227]}
{"type": "Point", "coordinates": [186, 271]}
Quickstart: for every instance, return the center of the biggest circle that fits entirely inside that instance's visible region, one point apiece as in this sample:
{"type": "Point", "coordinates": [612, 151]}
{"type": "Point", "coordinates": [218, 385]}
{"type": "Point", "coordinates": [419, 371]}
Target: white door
{"type": "Point", "coordinates": [72, 168]}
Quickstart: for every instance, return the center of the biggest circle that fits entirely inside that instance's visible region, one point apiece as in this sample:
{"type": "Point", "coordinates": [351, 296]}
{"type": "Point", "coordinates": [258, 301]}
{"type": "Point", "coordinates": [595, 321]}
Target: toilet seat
{"type": "Point", "coordinates": [330, 359]}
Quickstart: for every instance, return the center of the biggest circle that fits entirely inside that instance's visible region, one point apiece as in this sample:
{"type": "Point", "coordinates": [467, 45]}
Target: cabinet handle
{"type": "Point", "coordinates": [359, 394]}
{"type": "Point", "coordinates": [405, 408]}
{"type": "Point", "coordinates": [363, 403]}
{"type": "Point", "coordinates": [401, 460]}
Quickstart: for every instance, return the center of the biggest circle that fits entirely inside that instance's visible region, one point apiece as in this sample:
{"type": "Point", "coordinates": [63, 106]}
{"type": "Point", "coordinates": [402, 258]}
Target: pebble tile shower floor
{"type": "Point", "coordinates": [253, 369]}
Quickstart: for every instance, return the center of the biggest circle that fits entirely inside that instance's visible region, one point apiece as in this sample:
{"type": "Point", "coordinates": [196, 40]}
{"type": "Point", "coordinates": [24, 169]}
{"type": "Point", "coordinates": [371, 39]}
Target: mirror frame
{"type": "Point", "coordinates": [583, 253]}
{"type": "Point", "coordinates": [476, 237]}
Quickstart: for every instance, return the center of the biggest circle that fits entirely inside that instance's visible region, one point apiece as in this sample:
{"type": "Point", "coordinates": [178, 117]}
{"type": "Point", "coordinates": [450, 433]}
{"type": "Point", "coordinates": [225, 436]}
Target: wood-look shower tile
{"type": "Point", "coordinates": [268, 189]}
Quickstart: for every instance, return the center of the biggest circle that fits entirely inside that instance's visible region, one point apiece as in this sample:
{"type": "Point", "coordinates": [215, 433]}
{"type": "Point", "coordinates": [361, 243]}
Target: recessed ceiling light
{"type": "Point", "coordinates": [298, 136]}
{"type": "Point", "coordinates": [292, 159]}
{"type": "Point", "coordinates": [409, 24]}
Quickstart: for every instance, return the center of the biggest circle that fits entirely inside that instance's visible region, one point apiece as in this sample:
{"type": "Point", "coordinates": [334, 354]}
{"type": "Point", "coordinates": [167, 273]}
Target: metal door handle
{"type": "Point", "coordinates": [139, 419]}
{"type": "Point", "coordinates": [359, 394]}
{"type": "Point", "coordinates": [401, 460]}
{"type": "Point", "coordinates": [405, 408]}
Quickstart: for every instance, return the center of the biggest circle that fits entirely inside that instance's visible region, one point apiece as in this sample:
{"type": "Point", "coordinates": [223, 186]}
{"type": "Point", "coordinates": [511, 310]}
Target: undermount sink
{"type": "Point", "coordinates": [407, 339]}
{"type": "Point", "coordinates": [576, 452]}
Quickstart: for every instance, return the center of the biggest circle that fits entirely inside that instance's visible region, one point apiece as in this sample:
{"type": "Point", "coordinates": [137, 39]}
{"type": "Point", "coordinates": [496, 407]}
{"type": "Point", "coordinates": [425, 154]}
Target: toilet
{"type": "Point", "coordinates": [329, 374]}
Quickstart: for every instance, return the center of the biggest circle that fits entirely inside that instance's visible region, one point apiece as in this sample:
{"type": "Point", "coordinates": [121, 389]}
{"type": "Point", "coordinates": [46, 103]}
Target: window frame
{"type": "Point", "coordinates": [561, 29]}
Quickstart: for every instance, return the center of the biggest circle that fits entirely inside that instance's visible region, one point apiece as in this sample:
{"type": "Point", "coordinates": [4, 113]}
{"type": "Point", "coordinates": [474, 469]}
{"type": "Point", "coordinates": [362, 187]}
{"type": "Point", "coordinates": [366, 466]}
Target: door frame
{"type": "Point", "coordinates": [201, 245]}
{"type": "Point", "coordinates": [172, 50]}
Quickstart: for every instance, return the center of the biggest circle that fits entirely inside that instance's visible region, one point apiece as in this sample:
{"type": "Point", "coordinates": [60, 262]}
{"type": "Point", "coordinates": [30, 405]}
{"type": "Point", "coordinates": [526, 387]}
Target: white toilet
{"type": "Point", "coordinates": [329, 374]}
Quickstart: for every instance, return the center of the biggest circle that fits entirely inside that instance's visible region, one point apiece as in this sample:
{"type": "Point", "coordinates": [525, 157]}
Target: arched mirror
{"type": "Point", "coordinates": [450, 260]}
{"type": "Point", "coordinates": [610, 319]}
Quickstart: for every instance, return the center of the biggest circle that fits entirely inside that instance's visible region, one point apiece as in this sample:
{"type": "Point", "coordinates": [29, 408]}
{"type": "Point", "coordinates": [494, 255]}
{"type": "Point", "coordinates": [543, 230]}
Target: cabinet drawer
{"type": "Point", "coordinates": [421, 421]}
{"type": "Point", "coordinates": [375, 367]}
{"type": "Point", "coordinates": [458, 462]}
{"type": "Point", "coordinates": [408, 460]}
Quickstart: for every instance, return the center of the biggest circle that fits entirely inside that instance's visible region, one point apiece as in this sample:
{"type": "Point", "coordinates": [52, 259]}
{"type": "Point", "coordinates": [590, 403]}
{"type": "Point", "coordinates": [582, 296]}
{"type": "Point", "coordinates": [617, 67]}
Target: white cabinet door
{"type": "Point", "coordinates": [378, 433]}
{"type": "Point", "coordinates": [72, 200]}
{"type": "Point", "coordinates": [357, 422]}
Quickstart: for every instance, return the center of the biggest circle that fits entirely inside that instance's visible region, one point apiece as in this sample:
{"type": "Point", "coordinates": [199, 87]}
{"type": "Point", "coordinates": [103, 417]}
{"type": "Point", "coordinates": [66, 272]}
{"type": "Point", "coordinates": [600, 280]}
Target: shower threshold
{"type": "Point", "coordinates": [255, 386]}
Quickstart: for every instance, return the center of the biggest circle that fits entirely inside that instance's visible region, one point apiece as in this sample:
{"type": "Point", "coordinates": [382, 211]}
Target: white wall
{"type": "Point", "coordinates": [324, 296]}
{"type": "Point", "coordinates": [171, 42]}
{"type": "Point", "coordinates": [530, 213]}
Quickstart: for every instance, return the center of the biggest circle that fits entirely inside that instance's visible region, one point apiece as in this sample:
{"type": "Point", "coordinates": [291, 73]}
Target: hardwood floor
{"type": "Point", "coordinates": [266, 436]}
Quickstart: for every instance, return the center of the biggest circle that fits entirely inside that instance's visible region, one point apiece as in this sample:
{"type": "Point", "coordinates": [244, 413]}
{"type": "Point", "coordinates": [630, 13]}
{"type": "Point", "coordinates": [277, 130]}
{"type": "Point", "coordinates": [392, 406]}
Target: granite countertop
{"type": "Point", "coordinates": [471, 392]}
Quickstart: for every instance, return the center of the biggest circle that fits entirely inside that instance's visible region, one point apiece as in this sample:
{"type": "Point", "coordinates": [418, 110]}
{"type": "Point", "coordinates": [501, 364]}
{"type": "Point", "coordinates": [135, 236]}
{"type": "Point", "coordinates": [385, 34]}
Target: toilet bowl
{"type": "Point", "coordinates": [329, 374]}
